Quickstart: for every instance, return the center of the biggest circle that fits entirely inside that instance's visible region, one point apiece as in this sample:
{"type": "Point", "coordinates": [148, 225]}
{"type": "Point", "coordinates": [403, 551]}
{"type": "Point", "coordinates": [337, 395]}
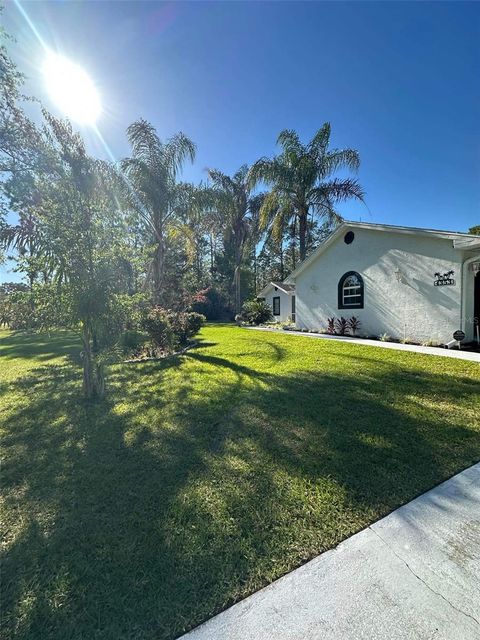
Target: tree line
{"type": "Point", "coordinates": [98, 242]}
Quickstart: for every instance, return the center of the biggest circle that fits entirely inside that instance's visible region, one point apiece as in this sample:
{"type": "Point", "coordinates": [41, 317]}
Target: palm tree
{"type": "Point", "coordinates": [152, 188]}
{"type": "Point", "coordinates": [302, 184]}
{"type": "Point", "coordinates": [239, 210]}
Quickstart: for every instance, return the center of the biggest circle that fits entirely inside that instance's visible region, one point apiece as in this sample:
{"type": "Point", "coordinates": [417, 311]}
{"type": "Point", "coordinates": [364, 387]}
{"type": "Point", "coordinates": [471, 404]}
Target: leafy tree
{"type": "Point", "coordinates": [153, 191]}
{"type": "Point", "coordinates": [301, 182]}
{"type": "Point", "coordinates": [20, 140]}
{"type": "Point", "coordinates": [79, 222]}
{"type": "Point", "coordinates": [475, 230]}
{"type": "Point", "coordinates": [22, 151]}
{"type": "Point", "coordinates": [238, 208]}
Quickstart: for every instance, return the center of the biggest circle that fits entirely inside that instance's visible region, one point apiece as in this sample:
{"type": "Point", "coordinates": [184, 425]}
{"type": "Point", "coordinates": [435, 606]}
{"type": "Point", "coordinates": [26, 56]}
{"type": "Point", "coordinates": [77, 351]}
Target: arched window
{"type": "Point", "coordinates": [350, 291]}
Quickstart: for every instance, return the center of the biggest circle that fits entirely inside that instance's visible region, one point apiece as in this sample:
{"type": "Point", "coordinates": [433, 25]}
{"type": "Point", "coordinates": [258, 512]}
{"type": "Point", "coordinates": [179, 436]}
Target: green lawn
{"type": "Point", "coordinates": [203, 478]}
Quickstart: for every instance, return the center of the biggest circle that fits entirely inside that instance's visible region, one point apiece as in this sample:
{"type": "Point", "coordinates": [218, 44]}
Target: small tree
{"type": "Point", "coordinates": [78, 218]}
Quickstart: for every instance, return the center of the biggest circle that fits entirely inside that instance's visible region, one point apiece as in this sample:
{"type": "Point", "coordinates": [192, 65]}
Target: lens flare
{"type": "Point", "coordinates": [71, 89]}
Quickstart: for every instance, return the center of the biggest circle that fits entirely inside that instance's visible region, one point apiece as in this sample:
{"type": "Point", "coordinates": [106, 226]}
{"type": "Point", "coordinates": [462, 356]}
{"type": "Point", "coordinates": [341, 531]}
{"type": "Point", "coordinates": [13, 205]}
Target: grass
{"type": "Point", "coordinates": [203, 478]}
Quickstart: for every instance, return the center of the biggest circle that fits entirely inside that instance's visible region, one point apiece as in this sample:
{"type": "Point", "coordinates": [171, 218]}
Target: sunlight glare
{"type": "Point", "coordinates": [71, 89]}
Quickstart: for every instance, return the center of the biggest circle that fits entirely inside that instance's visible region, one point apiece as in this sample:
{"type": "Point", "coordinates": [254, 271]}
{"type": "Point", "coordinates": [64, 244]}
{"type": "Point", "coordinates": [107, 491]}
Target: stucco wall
{"type": "Point", "coordinates": [285, 304]}
{"type": "Point", "coordinates": [413, 308]}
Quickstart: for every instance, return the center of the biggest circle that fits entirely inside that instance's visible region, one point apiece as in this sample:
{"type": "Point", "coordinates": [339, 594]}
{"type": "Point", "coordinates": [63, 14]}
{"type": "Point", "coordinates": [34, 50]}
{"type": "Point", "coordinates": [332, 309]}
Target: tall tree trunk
{"type": "Point", "coordinates": [238, 289]}
{"type": "Point", "coordinates": [198, 265]}
{"type": "Point", "coordinates": [212, 254]}
{"type": "Point", "coordinates": [237, 276]}
{"type": "Point", "coordinates": [302, 231]}
{"type": "Point", "coordinates": [93, 371]}
{"type": "Point", "coordinates": [293, 232]}
{"type": "Point", "coordinates": [88, 372]}
{"type": "Point", "coordinates": [158, 271]}
{"type": "Point", "coordinates": [282, 266]}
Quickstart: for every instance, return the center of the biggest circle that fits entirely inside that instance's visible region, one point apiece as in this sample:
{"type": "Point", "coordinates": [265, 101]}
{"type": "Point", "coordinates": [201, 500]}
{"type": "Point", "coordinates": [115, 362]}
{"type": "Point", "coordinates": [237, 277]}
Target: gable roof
{"type": "Point", "coordinates": [283, 286]}
{"type": "Point", "coordinates": [457, 238]}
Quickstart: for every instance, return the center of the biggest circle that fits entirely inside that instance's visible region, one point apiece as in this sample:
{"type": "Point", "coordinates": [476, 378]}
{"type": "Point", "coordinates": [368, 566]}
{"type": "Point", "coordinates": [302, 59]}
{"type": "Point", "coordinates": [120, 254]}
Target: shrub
{"type": "Point", "coordinates": [212, 304]}
{"type": "Point", "coordinates": [185, 325]}
{"type": "Point", "coordinates": [341, 325]}
{"type": "Point", "coordinates": [331, 325]}
{"type": "Point", "coordinates": [256, 312]}
{"type": "Point", "coordinates": [431, 343]}
{"type": "Point", "coordinates": [157, 323]}
{"type": "Point", "coordinates": [385, 337]}
{"type": "Point", "coordinates": [195, 322]}
{"type": "Point", "coordinates": [132, 342]}
{"type": "Point", "coordinates": [168, 329]}
{"type": "Point", "coordinates": [354, 325]}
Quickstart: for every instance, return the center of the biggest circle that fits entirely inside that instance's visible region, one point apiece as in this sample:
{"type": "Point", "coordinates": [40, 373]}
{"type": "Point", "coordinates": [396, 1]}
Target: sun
{"type": "Point", "coordinates": [71, 89]}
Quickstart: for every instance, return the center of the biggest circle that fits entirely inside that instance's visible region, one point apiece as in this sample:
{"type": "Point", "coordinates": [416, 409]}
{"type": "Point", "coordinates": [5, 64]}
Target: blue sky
{"type": "Point", "coordinates": [400, 82]}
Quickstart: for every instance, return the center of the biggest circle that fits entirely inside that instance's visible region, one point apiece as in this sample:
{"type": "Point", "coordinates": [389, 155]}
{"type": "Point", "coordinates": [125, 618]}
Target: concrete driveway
{"type": "Point", "coordinates": [415, 574]}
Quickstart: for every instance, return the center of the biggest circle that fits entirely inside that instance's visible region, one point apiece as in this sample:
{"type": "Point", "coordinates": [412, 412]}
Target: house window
{"type": "Point", "coordinates": [293, 308]}
{"type": "Point", "coordinates": [350, 291]}
{"type": "Point", "coordinates": [276, 306]}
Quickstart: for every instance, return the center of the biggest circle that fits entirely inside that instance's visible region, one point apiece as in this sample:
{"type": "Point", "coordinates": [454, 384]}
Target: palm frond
{"type": "Point", "coordinates": [340, 159]}
{"type": "Point", "coordinates": [177, 150]}
{"type": "Point", "coordinates": [260, 171]}
{"type": "Point", "coordinates": [318, 145]}
{"type": "Point", "coordinates": [337, 190]}
{"type": "Point", "coordinates": [289, 140]}
{"type": "Point", "coordinates": [144, 139]}
{"type": "Point", "coordinates": [268, 210]}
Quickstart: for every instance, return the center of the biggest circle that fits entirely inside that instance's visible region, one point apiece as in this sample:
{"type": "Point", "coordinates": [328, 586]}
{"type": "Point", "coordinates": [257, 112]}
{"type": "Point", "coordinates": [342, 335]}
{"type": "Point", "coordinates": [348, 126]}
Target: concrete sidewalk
{"type": "Point", "coordinates": [415, 574]}
{"type": "Point", "coordinates": [431, 351]}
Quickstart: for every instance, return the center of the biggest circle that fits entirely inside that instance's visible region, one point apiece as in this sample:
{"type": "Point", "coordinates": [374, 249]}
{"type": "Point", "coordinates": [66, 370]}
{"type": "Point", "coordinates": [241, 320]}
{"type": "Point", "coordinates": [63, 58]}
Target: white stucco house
{"type": "Point", "coordinates": [408, 283]}
{"type": "Point", "coordinates": [280, 296]}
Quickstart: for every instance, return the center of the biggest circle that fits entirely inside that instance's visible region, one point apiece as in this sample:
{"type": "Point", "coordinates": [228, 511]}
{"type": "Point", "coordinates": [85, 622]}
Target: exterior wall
{"type": "Point", "coordinates": [285, 303]}
{"type": "Point", "coordinates": [413, 308]}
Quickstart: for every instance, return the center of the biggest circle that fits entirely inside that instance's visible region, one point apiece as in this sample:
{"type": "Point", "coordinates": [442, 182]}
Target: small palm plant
{"type": "Point", "coordinates": [354, 325]}
{"type": "Point", "coordinates": [341, 325]}
{"type": "Point", "coordinates": [331, 325]}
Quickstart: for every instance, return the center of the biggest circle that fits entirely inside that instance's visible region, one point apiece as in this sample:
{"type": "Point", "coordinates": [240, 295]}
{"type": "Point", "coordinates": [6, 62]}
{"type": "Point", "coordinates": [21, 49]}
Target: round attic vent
{"type": "Point", "coordinates": [348, 237]}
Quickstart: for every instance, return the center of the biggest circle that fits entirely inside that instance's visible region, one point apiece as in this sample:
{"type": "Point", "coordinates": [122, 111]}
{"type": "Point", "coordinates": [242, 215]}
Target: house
{"type": "Point", "coordinates": [281, 298]}
{"type": "Point", "coordinates": [408, 283]}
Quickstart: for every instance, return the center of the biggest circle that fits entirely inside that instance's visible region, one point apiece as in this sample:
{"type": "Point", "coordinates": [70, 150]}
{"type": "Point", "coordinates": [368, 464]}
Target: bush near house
{"type": "Point", "coordinates": [256, 312]}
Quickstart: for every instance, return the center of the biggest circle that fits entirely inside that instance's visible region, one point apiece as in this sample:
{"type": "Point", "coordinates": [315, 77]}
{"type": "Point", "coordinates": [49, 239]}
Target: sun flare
{"type": "Point", "coordinates": [71, 89]}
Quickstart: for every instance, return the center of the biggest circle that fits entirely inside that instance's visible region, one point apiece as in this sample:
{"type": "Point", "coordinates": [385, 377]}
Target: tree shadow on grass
{"type": "Point", "coordinates": [38, 346]}
{"type": "Point", "coordinates": [200, 480]}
